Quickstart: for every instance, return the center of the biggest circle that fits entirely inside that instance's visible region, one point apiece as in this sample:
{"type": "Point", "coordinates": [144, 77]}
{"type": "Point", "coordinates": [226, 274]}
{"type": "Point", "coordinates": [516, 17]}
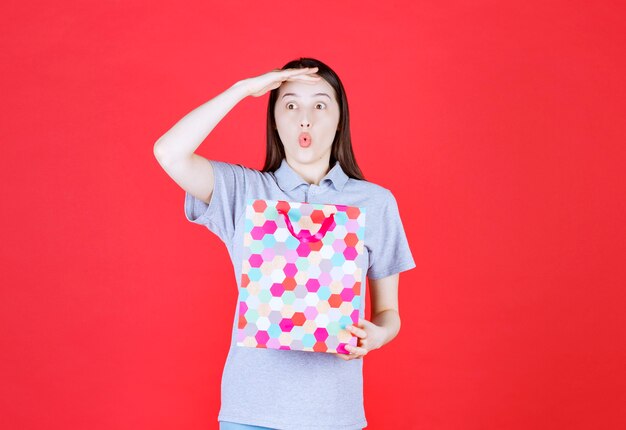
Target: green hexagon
{"type": "Point", "coordinates": [256, 247]}
{"type": "Point", "coordinates": [333, 328]}
{"type": "Point", "coordinates": [271, 213]}
{"type": "Point", "coordinates": [252, 315]}
{"type": "Point", "coordinates": [302, 263]}
{"type": "Point", "coordinates": [329, 238]}
{"type": "Point", "coordinates": [265, 296]}
{"type": "Point", "coordinates": [288, 297]}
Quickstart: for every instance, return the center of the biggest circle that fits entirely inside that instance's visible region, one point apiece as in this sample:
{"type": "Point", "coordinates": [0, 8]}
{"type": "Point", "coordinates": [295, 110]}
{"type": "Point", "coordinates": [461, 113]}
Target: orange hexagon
{"type": "Point", "coordinates": [298, 318]}
{"type": "Point", "coordinates": [351, 239]}
{"type": "Point", "coordinates": [335, 300]}
{"type": "Point", "coordinates": [353, 212]}
{"type": "Point", "coordinates": [259, 206]}
{"type": "Point", "coordinates": [289, 283]}
{"type": "Point", "coordinates": [320, 347]}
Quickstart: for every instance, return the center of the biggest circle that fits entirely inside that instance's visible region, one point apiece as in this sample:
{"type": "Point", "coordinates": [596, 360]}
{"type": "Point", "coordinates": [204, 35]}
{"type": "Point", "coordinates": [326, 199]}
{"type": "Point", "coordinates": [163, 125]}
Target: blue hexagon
{"type": "Point", "coordinates": [308, 340]}
{"type": "Point", "coordinates": [294, 215]}
{"type": "Point", "coordinates": [341, 218]}
{"type": "Point", "coordinates": [255, 274]}
{"type": "Point", "coordinates": [269, 241]}
{"type": "Point", "coordinates": [274, 331]}
{"type": "Point", "coordinates": [338, 259]}
{"type": "Point", "coordinates": [345, 321]}
{"type": "Point", "coordinates": [324, 292]}
{"type": "Point", "coordinates": [292, 242]}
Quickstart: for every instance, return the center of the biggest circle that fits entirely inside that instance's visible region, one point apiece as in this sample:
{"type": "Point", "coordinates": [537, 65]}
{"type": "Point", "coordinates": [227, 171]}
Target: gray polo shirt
{"type": "Point", "coordinates": [290, 389]}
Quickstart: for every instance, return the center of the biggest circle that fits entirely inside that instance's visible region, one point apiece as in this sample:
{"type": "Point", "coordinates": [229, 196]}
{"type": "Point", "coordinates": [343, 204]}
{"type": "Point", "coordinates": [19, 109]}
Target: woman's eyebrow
{"type": "Point", "coordinates": [296, 95]}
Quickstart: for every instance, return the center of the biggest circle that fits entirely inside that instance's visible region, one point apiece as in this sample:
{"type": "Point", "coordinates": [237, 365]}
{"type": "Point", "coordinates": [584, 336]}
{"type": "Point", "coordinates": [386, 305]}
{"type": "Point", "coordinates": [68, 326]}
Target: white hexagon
{"type": "Point", "coordinates": [276, 303]}
{"type": "Point", "coordinates": [334, 314]}
{"type": "Point", "coordinates": [299, 305]}
{"type": "Point", "coordinates": [252, 302]}
{"type": "Point", "coordinates": [263, 323]}
{"type": "Point", "coordinates": [349, 267]}
{"type": "Point", "coordinates": [314, 258]}
{"type": "Point", "coordinates": [278, 276]}
{"type": "Point", "coordinates": [312, 299]}
{"type": "Point", "coordinates": [340, 232]}
{"type": "Point", "coordinates": [337, 273]}
{"type": "Point", "coordinates": [321, 320]}
{"type": "Point", "coordinates": [327, 252]}
{"type": "Point", "coordinates": [281, 234]}
{"type": "Point", "coordinates": [314, 271]}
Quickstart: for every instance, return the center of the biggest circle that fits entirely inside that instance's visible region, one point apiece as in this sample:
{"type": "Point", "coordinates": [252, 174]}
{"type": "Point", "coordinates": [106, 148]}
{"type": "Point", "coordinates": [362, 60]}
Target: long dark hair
{"type": "Point", "coordinates": [342, 144]}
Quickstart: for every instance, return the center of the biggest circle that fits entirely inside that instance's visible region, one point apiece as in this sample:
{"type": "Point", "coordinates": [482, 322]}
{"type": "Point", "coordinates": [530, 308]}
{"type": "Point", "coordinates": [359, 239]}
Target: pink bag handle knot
{"type": "Point", "coordinates": [305, 235]}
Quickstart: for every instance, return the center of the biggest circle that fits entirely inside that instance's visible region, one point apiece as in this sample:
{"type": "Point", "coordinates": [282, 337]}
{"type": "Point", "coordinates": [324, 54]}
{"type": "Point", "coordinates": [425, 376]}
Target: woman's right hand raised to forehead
{"type": "Point", "coordinates": [259, 85]}
{"type": "Point", "coordinates": [175, 150]}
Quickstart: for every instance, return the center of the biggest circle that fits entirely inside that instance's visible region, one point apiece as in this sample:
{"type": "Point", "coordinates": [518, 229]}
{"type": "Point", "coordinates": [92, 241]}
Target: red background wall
{"type": "Point", "coordinates": [499, 126]}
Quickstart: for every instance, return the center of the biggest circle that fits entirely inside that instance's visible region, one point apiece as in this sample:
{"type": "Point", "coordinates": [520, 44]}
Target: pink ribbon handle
{"type": "Point", "coordinates": [305, 236]}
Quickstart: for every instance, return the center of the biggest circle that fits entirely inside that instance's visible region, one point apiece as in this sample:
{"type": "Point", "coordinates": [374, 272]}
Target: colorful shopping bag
{"type": "Point", "coordinates": [301, 275]}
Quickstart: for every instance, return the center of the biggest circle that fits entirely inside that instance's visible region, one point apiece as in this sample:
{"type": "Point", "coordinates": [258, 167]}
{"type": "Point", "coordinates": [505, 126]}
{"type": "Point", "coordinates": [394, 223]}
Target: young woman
{"type": "Point", "coordinates": [309, 158]}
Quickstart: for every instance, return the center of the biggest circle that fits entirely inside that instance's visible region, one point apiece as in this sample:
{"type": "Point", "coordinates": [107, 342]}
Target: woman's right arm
{"type": "Point", "coordinates": [175, 150]}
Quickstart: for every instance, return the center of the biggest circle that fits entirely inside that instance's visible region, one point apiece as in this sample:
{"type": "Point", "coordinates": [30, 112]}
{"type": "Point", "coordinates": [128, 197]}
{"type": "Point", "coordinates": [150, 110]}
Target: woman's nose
{"type": "Point", "coordinates": [304, 121]}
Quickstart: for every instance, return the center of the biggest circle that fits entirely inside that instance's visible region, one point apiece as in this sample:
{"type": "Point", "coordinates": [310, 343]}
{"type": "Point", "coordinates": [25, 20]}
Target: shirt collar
{"type": "Point", "coordinates": [288, 179]}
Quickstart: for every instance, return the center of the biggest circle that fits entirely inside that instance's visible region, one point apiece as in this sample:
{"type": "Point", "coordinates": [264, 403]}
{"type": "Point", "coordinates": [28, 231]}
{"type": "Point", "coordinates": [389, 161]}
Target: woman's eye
{"type": "Point", "coordinates": [292, 106]}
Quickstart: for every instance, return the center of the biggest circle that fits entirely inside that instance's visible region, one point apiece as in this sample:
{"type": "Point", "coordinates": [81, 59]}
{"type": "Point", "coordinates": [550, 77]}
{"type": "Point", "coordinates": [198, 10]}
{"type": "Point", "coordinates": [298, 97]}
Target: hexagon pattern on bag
{"type": "Point", "coordinates": [301, 275]}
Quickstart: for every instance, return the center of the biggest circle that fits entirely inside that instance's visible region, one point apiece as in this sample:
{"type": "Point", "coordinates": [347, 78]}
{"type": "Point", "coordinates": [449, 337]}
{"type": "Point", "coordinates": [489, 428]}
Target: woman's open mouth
{"type": "Point", "coordinates": [305, 139]}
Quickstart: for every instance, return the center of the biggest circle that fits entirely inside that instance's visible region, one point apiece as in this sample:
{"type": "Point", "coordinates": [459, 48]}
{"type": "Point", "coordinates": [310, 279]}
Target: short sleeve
{"type": "Point", "coordinates": [226, 204]}
{"type": "Point", "coordinates": [389, 247]}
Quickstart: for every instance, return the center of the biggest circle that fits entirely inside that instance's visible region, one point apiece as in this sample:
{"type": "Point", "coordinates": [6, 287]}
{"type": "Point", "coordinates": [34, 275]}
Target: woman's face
{"type": "Point", "coordinates": [307, 116]}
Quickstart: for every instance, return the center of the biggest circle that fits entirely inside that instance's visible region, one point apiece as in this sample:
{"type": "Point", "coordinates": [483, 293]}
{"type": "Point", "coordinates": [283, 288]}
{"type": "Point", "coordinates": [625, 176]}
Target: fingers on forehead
{"type": "Point", "coordinates": [301, 70]}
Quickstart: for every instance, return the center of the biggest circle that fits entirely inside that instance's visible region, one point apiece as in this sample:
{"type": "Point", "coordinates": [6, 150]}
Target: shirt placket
{"type": "Point", "coordinates": [312, 192]}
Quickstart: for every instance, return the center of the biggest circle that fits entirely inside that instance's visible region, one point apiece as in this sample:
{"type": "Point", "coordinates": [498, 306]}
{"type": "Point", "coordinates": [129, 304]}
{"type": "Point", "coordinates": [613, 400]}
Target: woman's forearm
{"type": "Point", "coordinates": [189, 132]}
{"type": "Point", "coordinates": [390, 321]}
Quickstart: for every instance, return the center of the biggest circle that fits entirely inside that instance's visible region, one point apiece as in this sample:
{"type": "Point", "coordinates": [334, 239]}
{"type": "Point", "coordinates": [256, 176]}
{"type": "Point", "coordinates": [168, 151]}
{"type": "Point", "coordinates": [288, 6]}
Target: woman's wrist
{"type": "Point", "coordinates": [242, 88]}
{"type": "Point", "coordinates": [389, 321]}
